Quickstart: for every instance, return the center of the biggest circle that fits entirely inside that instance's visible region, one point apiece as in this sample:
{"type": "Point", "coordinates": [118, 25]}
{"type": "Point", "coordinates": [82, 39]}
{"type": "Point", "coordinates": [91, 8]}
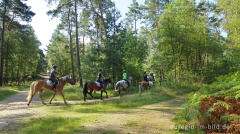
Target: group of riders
{"type": "Point", "coordinates": [100, 77]}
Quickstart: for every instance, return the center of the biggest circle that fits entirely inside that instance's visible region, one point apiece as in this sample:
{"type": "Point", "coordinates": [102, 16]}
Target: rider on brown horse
{"type": "Point", "coordinates": [53, 77]}
{"type": "Point", "coordinates": [145, 77]}
{"type": "Point", "coordinates": [100, 78]}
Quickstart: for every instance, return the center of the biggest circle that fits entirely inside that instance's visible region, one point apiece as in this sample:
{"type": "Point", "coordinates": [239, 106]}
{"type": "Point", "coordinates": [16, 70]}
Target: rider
{"type": "Point", "coordinates": [151, 77]}
{"type": "Point", "coordinates": [145, 77]}
{"type": "Point", "coordinates": [100, 77]}
{"type": "Point", "coordinates": [125, 77]}
{"type": "Point", "coordinates": [53, 76]}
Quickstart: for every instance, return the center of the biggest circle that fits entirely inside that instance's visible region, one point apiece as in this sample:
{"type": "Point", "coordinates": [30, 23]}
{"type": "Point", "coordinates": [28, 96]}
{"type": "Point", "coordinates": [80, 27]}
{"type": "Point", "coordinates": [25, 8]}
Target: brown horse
{"type": "Point", "coordinates": [143, 84]}
{"type": "Point", "coordinates": [39, 86]}
{"type": "Point", "coordinates": [92, 86]}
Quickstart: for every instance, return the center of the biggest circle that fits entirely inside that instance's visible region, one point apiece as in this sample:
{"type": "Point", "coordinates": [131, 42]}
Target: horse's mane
{"type": "Point", "coordinates": [107, 79]}
{"type": "Point", "coordinates": [63, 78]}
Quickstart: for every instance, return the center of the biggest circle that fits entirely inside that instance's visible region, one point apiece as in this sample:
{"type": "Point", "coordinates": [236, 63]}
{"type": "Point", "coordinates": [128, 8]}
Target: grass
{"type": "Point", "coordinates": [125, 102]}
{"type": "Point", "coordinates": [54, 125]}
{"type": "Point", "coordinates": [74, 92]}
{"type": "Point", "coordinates": [7, 91]}
{"type": "Point", "coordinates": [73, 118]}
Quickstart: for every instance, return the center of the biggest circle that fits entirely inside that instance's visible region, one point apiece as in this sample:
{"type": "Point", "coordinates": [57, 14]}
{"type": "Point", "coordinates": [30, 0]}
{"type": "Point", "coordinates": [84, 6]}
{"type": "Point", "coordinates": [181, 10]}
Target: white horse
{"type": "Point", "coordinates": [122, 84]}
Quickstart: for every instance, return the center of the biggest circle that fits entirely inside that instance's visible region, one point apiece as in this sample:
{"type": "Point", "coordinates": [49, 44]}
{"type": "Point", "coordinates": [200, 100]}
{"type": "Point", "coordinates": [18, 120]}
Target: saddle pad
{"type": "Point", "coordinates": [49, 83]}
{"type": "Point", "coordinates": [98, 84]}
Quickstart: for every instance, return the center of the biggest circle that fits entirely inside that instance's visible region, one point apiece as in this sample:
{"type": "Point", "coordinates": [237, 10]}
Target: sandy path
{"type": "Point", "coordinates": [15, 107]}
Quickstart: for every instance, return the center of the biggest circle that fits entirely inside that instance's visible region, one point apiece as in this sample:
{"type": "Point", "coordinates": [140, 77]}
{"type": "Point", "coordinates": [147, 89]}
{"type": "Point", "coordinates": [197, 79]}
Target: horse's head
{"type": "Point", "coordinates": [107, 80]}
{"type": "Point", "coordinates": [69, 79]}
{"type": "Point", "coordinates": [130, 78]}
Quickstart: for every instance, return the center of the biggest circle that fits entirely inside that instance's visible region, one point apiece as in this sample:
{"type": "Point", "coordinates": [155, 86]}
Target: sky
{"type": "Point", "coordinates": [45, 25]}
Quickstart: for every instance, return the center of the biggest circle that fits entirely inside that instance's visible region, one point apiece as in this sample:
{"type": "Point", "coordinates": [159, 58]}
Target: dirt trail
{"type": "Point", "coordinates": [15, 107]}
{"type": "Point", "coordinates": [149, 119]}
{"type": "Point", "coordinates": [154, 118]}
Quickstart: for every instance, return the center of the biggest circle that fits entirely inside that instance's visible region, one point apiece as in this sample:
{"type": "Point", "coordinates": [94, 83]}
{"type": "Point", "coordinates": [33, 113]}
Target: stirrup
{"type": "Point", "coordinates": [54, 88]}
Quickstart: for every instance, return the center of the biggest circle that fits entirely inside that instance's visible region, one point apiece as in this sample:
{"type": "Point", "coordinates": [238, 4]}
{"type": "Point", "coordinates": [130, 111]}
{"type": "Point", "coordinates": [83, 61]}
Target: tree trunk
{"type": "Point", "coordinates": [83, 43]}
{"type": "Point", "coordinates": [6, 63]}
{"type": "Point", "coordinates": [77, 43]}
{"type": "Point", "coordinates": [2, 47]}
{"type": "Point", "coordinates": [98, 45]}
{"type": "Point", "coordinates": [70, 41]}
{"type": "Point", "coordinates": [135, 22]}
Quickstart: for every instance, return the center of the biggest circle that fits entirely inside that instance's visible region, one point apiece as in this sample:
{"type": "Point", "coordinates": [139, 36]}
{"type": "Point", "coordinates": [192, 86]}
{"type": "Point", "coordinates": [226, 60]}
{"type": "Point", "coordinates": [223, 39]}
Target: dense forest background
{"type": "Point", "coordinates": [180, 41]}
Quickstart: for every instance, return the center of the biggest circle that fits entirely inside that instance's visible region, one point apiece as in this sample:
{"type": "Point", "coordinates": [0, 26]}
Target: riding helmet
{"type": "Point", "coordinates": [54, 66]}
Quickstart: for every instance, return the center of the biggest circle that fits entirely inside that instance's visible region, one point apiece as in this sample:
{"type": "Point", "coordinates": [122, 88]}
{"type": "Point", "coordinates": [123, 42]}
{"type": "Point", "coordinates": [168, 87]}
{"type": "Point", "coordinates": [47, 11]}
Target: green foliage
{"type": "Point", "coordinates": [225, 86]}
{"type": "Point", "coordinates": [230, 10]}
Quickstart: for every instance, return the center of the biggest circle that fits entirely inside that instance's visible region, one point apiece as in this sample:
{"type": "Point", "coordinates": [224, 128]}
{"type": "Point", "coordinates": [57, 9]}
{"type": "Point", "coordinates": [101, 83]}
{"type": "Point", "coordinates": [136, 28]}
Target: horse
{"type": "Point", "coordinates": [94, 86]}
{"type": "Point", "coordinates": [122, 84]}
{"type": "Point", "coordinates": [143, 84]}
{"type": "Point", "coordinates": [39, 86]}
{"type": "Point", "coordinates": [150, 83]}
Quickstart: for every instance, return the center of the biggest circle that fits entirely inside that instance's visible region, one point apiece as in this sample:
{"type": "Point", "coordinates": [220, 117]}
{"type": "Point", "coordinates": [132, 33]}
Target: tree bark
{"type": "Point", "coordinates": [6, 63]}
{"type": "Point", "coordinates": [83, 43]}
{"type": "Point", "coordinates": [70, 41]}
{"type": "Point", "coordinates": [77, 43]}
{"type": "Point", "coordinates": [2, 47]}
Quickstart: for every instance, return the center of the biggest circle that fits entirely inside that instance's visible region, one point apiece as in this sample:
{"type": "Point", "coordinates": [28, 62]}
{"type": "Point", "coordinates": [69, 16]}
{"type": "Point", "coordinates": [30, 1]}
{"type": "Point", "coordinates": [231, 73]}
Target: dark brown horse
{"type": "Point", "coordinates": [93, 86]}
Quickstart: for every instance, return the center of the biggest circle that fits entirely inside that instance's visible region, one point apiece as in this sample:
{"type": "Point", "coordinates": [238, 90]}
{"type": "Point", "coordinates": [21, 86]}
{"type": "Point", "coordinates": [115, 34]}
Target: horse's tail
{"type": "Point", "coordinates": [31, 91]}
{"type": "Point", "coordinates": [117, 85]}
{"type": "Point", "coordinates": [85, 91]}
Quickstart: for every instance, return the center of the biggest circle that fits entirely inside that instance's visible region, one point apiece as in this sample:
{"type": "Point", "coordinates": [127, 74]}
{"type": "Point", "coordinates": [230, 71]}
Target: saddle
{"type": "Point", "coordinates": [125, 84]}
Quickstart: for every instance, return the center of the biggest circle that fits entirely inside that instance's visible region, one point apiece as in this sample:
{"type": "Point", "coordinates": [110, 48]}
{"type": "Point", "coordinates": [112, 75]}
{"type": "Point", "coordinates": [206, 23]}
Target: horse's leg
{"type": "Point", "coordinates": [30, 100]}
{"type": "Point", "coordinates": [101, 94]}
{"type": "Point", "coordinates": [50, 101]}
{"type": "Point", "coordinates": [119, 91]}
{"type": "Point", "coordinates": [90, 93]}
{"type": "Point", "coordinates": [140, 88]}
{"type": "Point", "coordinates": [40, 96]}
{"type": "Point", "coordinates": [106, 93]}
{"type": "Point", "coordinates": [63, 97]}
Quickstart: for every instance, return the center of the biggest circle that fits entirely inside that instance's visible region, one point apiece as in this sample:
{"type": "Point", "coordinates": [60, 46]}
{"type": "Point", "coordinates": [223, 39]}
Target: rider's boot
{"type": "Point", "coordinates": [54, 87]}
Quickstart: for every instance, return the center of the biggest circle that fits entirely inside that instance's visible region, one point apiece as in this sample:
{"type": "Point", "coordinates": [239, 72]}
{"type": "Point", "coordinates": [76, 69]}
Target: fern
{"type": "Point", "coordinates": [222, 103]}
